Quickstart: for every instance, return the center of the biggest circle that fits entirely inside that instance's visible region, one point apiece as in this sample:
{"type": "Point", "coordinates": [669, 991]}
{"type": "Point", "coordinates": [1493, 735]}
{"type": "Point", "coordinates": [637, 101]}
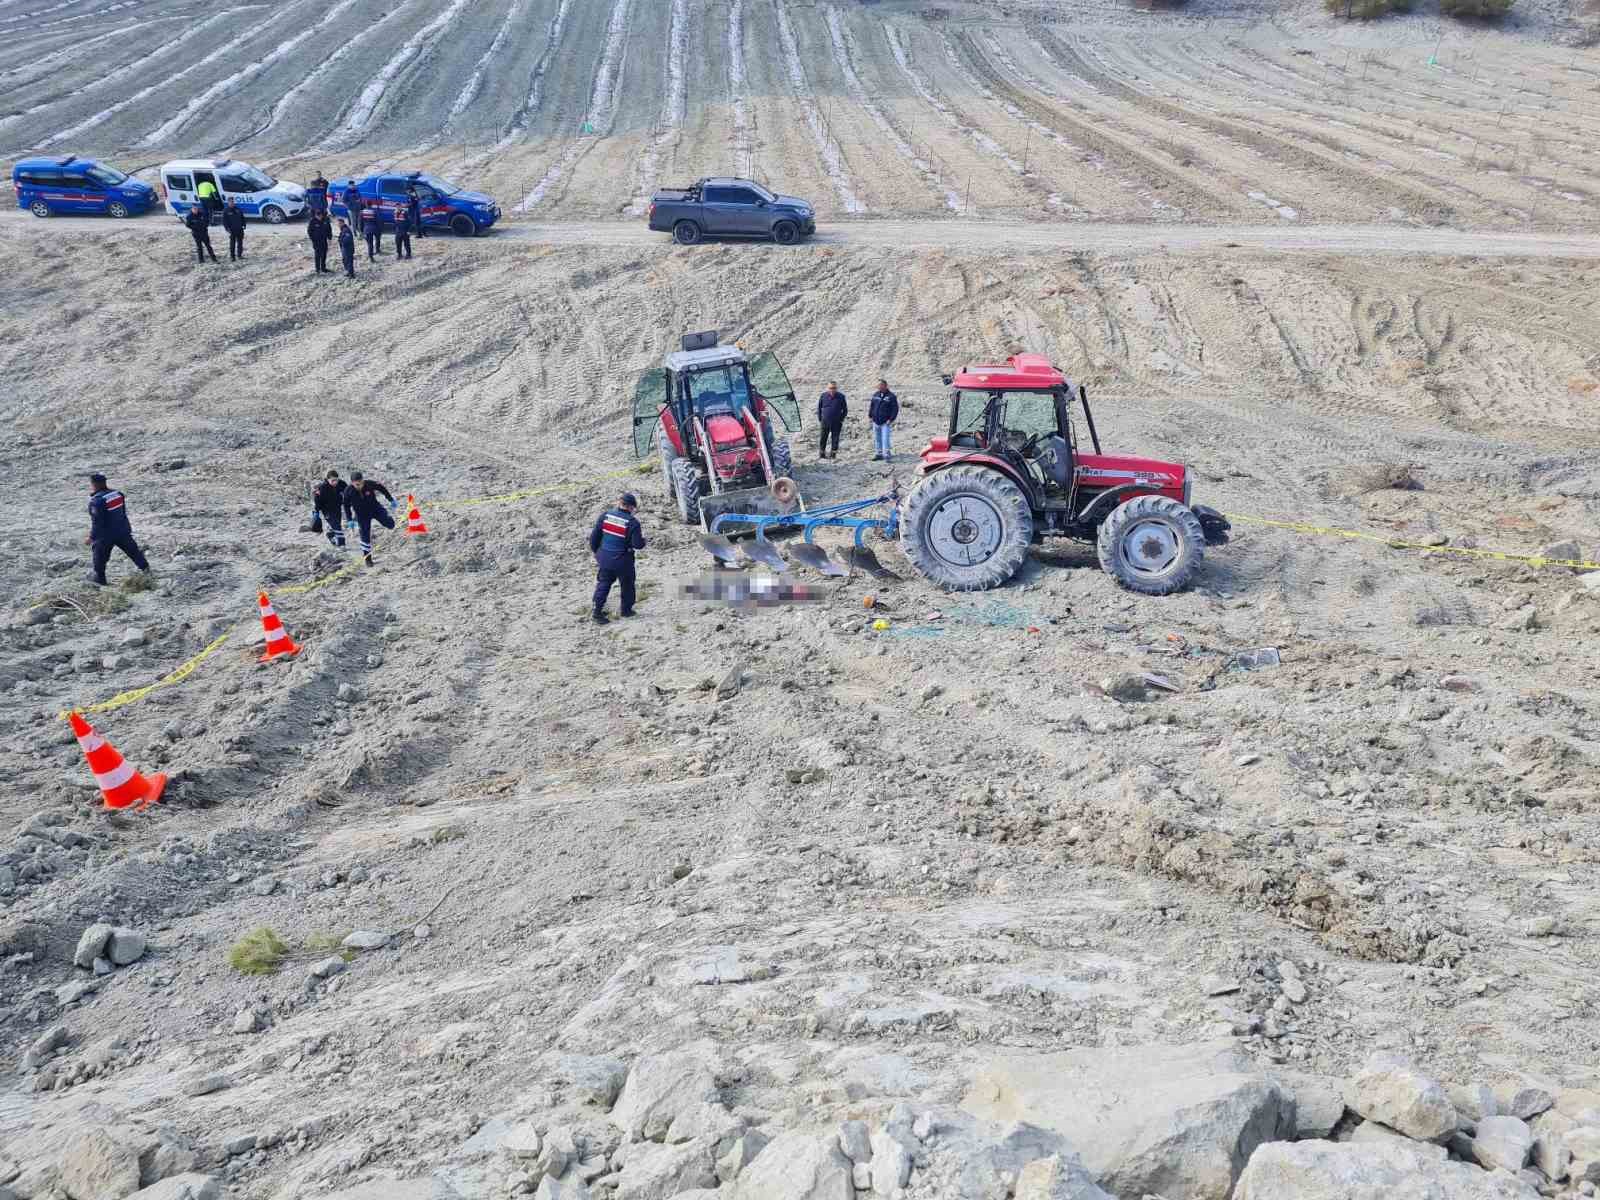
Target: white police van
{"type": "Point", "coordinates": [258, 194]}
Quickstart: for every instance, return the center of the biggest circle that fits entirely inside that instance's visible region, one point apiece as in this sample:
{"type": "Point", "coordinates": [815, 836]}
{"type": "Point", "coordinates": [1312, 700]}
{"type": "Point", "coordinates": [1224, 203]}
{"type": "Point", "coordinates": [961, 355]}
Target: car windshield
{"type": "Point", "coordinates": [720, 389]}
{"type": "Point", "coordinates": [1025, 412]}
{"type": "Point", "coordinates": [438, 185]}
{"type": "Point", "coordinates": [105, 175]}
{"type": "Point", "coordinates": [258, 181]}
{"type": "Point", "coordinates": [769, 197]}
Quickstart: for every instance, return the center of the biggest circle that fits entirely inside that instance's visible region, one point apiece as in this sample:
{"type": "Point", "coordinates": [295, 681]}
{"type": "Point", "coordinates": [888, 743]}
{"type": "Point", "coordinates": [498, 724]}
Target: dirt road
{"type": "Point", "coordinates": [1358, 240]}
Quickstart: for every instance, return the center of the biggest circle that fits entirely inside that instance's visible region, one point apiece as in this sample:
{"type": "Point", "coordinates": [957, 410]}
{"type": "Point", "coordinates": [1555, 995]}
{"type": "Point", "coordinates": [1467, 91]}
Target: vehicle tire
{"type": "Point", "coordinates": [967, 528]}
{"type": "Point", "coordinates": [782, 458]}
{"type": "Point", "coordinates": [686, 486]}
{"type": "Point", "coordinates": [1152, 545]}
{"type": "Point", "coordinates": [273, 215]}
{"type": "Point", "coordinates": [668, 457]}
{"type": "Point", "coordinates": [686, 233]}
{"type": "Point", "coordinates": [463, 226]}
{"type": "Point", "coordinates": [117, 209]}
{"type": "Point", "coordinates": [786, 233]}
{"type": "Point", "coordinates": [39, 208]}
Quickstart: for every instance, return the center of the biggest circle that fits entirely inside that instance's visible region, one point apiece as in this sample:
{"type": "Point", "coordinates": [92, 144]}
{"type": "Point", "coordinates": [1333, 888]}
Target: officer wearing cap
{"type": "Point", "coordinates": [616, 535]}
{"type": "Point", "coordinates": [109, 528]}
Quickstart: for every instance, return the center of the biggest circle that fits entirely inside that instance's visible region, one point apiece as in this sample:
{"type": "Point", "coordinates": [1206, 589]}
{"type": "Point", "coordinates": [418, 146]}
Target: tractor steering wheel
{"type": "Point", "coordinates": [1029, 446]}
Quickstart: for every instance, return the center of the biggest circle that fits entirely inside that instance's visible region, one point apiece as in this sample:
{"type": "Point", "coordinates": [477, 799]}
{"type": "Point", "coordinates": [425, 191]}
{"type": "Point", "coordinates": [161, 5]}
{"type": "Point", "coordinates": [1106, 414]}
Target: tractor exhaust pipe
{"type": "Point", "coordinates": [1083, 399]}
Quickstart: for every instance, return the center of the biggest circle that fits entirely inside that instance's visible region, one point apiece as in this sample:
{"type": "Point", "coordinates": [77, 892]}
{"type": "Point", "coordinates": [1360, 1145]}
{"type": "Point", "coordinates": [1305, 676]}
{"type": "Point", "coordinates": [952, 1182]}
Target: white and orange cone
{"type": "Point", "coordinates": [414, 518]}
{"type": "Point", "coordinates": [120, 784]}
{"type": "Point", "coordinates": [279, 642]}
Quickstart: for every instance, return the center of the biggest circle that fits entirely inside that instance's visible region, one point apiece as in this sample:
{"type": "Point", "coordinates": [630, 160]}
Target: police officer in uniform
{"type": "Point", "coordinates": [317, 195]}
{"type": "Point", "coordinates": [614, 538]}
{"type": "Point", "coordinates": [207, 191]}
{"type": "Point", "coordinates": [372, 226]}
{"type": "Point", "coordinates": [347, 248]}
{"type": "Point", "coordinates": [402, 232]}
{"type": "Point", "coordinates": [109, 528]}
{"type": "Point", "coordinates": [352, 203]}
{"type": "Point", "coordinates": [414, 207]}
{"type": "Point", "coordinates": [233, 222]}
{"type": "Point", "coordinates": [361, 503]}
{"type": "Point", "coordinates": [328, 498]}
{"type": "Point", "coordinates": [320, 230]}
{"type": "Point", "coordinates": [200, 229]}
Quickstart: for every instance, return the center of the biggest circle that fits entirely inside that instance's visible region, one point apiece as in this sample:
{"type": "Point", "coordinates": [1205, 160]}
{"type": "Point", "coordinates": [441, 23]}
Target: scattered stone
{"type": "Point", "coordinates": [721, 965]}
{"type": "Point", "coordinates": [891, 1161]}
{"type": "Point", "coordinates": [103, 967]}
{"type": "Point", "coordinates": [1590, 582]}
{"type": "Point", "coordinates": [1216, 985]}
{"type": "Point", "coordinates": [1057, 1177]}
{"type": "Point", "coordinates": [126, 946]}
{"type": "Point", "coordinates": [1524, 620]}
{"type": "Point", "coordinates": [1388, 1090]}
{"type": "Point", "coordinates": [1173, 1120]}
{"type": "Point", "coordinates": [1525, 1103]}
{"type": "Point", "coordinates": [45, 1046]}
{"type": "Point", "coordinates": [1504, 1142]}
{"type": "Point", "coordinates": [551, 1188]}
{"type": "Point", "coordinates": [729, 686]}
{"type": "Point", "coordinates": [1458, 683]}
{"type": "Point", "coordinates": [422, 932]}
{"type": "Point", "coordinates": [349, 693]}
{"type": "Point", "coordinates": [1550, 1153]}
{"type": "Point", "coordinates": [77, 989]}
{"type": "Point", "coordinates": [660, 1086]}
{"type": "Point", "coordinates": [591, 1078]}
{"type": "Point", "coordinates": [246, 1021]}
{"type": "Point", "coordinates": [797, 1166]}
{"type": "Point", "coordinates": [1127, 688]}
{"type": "Point", "coordinates": [92, 945]}
{"type": "Point", "coordinates": [1247, 760]}
{"type": "Point", "coordinates": [206, 1084]}
{"type": "Point", "coordinates": [327, 968]}
{"type": "Point", "coordinates": [1318, 1102]}
{"type": "Point", "coordinates": [133, 636]}
{"type": "Point", "coordinates": [188, 1186]}
{"type": "Point", "coordinates": [8, 881]}
{"type": "Point", "coordinates": [1566, 550]}
{"type": "Point", "coordinates": [1584, 1145]}
{"type": "Point", "coordinates": [1474, 1102]}
{"type": "Point", "coordinates": [743, 1150]}
{"type": "Point", "coordinates": [239, 1143]}
{"type": "Point", "coordinates": [558, 1150]}
{"type": "Point", "coordinates": [521, 1140]}
{"type": "Point", "coordinates": [1317, 1170]}
{"type": "Point", "coordinates": [96, 1166]}
{"type": "Point", "coordinates": [932, 692]}
{"type": "Point", "coordinates": [1294, 991]}
{"type": "Point", "coordinates": [365, 939]}
{"type": "Point", "coordinates": [264, 886]}
{"type": "Point", "coordinates": [856, 1141]}
{"type": "Point", "coordinates": [702, 1121]}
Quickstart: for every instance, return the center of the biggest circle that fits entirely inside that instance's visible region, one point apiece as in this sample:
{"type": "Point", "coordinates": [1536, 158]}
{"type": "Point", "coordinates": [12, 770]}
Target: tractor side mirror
{"type": "Point", "coordinates": [947, 379]}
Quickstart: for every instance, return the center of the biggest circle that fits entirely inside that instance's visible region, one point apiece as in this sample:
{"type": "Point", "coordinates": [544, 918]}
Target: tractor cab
{"type": "Point", "coordinates": [709, 410]}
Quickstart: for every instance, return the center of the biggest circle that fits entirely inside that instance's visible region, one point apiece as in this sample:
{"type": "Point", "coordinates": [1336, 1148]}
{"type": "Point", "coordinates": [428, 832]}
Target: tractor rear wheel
{"type": "Point", "coordinates": [1151, 544]}
{"type": "Point", "coordinates": [967, 528]}
{"type": "Point", "coordinates": [687, 487]}
{"type": "Point", "coordinates": [782, 459]}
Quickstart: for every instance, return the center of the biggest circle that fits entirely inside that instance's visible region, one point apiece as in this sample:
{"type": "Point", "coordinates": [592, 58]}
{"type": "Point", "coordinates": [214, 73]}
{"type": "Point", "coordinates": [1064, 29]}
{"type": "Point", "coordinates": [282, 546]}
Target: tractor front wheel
{"type": "Point", "coordinates": [782, 458]}
{"type": "Point", "coordinates": [686, 486]}
{"type": "Point", "coordinates": [967, 528]}
{"type": "Point", "coordinates": [1151, 544]}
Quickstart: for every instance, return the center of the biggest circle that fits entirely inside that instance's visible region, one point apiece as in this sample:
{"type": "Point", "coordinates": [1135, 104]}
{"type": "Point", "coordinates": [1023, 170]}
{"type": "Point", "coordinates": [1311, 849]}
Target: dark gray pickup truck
{"type": "Point", "coordinates": [730, 208]}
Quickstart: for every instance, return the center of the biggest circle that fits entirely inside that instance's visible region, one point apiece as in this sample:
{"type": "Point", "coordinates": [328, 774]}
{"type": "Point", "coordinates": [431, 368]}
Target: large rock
{"type": "Point", "coordinates": [97, 1166]}
{"type": "Point", "coordinates": [91, 945]}
{"type": "Point", "coordinates": [797, 1166]}
{"type": "Point", "coordinates": [1057, 1178]}
{"type": "Point", "coordinates": [590, 1078]}
{"type": "Point", "coordinates": [1318, 1101]}
{"type": "Point", "coordinates": [1504, 1142]}
{"type": "Point", "coordinates": [1368, 1171]}
{"type": "Point", "coordinates": [988, 1169]}
{"type": "Point", "coordinates": [1550, 1153]}
{"type": "Point", "coordinates": [1583, 1143]}
{"type": "Point", "coordinates": [126, 946]}
{"type": "Point", "coordinates": [1371, 1131]}
{"type": "Point", "coordinates": [892, 1151]}
{"type": "Point", "coordinates": [1173, 1120]}
{"type": "Point", "coordinates": [571, 1188]}
{"type": "Point", "coordinates": [189, 1186]}
{"type": "Point", "coordinates": [1390, 1091]}
{"type": "Point", "coordinates": [660, 1086]}
{"type": "Point", "coordinates": [661, 1172]}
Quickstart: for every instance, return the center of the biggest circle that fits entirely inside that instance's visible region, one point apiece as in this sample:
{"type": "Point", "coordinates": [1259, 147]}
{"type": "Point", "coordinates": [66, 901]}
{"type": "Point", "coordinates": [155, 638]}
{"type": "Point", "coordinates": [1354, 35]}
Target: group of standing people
{"type": "Point", "coordinates": [322, 230]}
{"type": "Point", "coordinates": [883, 410]}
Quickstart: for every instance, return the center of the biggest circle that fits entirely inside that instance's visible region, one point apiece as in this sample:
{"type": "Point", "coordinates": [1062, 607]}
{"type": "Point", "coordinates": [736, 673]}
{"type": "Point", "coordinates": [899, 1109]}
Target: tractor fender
{"type": "Point", "coordinates": [957, 459]}
{"type": "Point", "coordinates": [669, 424]}
{"type": "Point", "coordinates": [1100, 507]}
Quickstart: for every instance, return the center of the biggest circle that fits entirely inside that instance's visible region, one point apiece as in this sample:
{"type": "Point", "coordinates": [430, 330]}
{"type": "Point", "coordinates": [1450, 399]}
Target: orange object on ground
{"type": "Point", "coordinates": [279, 642]}
{"type": "Point", "coordinates": [414, 518]}
{"type": "Point", "coordinates": [120, 784]}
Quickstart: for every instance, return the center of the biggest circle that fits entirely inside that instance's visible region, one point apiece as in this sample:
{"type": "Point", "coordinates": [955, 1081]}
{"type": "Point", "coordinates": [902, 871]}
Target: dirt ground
{"type": "Point", "coordinates": [898, 849]}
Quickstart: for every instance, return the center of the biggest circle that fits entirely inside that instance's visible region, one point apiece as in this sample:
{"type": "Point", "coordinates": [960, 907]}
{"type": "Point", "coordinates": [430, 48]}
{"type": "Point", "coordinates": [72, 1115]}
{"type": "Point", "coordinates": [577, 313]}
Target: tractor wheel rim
{"type": "Point", "coordinates": [1150, 547]}
{"type": "Point", "coordinates": [965, 530]}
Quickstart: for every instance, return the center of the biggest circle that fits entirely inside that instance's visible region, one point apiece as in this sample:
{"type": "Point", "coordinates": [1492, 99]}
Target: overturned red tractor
{"type": "Point", "coordinates": [1010, 473]}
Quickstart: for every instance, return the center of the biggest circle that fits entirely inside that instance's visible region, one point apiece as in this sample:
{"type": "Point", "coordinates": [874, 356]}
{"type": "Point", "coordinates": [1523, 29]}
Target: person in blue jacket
{"type": "Point", "coordinates": [109, 528]}
{"type": "Point", "coordinates": [832, 409]}
{"type": "Point", "coordinates": [614, 538]}
{"type": "Point", "coordinates": [883, 410]}
{"type": "Point", "coordinates": [317, 196]}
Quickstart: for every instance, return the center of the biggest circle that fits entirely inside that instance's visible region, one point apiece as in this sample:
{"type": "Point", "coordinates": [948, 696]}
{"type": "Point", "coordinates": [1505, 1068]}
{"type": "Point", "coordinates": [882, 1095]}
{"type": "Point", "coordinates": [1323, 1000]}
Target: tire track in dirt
{"type": "Point", "coordinates": [1126, 148]}
{"type": "Point", "coordinates": [673, 107]}
{"type": "Point", "coordinates": [833, 163]}
{"type": "Point", "coordinates": [844, 54]}
{"type": "Point", "coordinates": [45, 66]}
{"type": "Point", "coordinates": [372, 95]}
{"type": "Point", "coordinates": [743, 134]}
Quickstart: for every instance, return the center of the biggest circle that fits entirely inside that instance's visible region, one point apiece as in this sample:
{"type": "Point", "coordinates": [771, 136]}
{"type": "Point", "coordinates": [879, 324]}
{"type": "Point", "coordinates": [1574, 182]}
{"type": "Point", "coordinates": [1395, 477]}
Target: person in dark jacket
{"type": "Point", "coordinates": [328, 499]}
{"type": "Point", "coordinates": [414, 207]}
{"type": "Point", "coordinates": [200, 229]}
{"type": "Point", "coordinates": [362, 505]}
{"type": "Point", "coordinates": [320, 230]}
{"type": "Point", "coordinates": [402, 232]}
{"type": "Point", "coordinates": [347, 248]}
{"type": "Point", "coordinates": [372, 227]}
{"type": "Point", "coordinates": [352, 203]}
{"type": "Point", "coordinates": [233, 222]}
{"type": "Point", "coordinates": [883, 410]}
{"type": "Point", "coordinates": [317, 195]}
{"type": "Point", "coordinates": [832, 409]}
{"type": "Point", "coordinates": [109, 528]}
{"type": "Point", "coordinates": [614, 538]}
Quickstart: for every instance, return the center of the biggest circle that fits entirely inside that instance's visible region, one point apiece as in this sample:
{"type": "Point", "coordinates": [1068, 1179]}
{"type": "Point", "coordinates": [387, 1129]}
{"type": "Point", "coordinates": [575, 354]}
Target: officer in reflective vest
{"type": "Point", "coordinates": [614, 538]}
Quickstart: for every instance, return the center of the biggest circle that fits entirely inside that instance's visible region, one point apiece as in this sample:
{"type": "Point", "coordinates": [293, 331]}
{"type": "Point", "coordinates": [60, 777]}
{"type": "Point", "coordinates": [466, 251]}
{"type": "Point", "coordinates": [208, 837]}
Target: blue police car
{"type": "Point", "coordinates": [444, 206]}
{"type": "Point", "coordinates": [77, 186]}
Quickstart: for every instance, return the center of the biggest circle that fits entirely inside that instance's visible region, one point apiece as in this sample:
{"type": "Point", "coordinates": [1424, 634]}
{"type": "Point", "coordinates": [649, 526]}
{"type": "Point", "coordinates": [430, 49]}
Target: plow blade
{"type": "Point", "coordinates": [816, 558]}
{"type": "Point", "coordinates": [863, 557]}
{"type": "Point", "coordinates": [762, 551]}
{"type": "Point", "coordinates": [720, 548]}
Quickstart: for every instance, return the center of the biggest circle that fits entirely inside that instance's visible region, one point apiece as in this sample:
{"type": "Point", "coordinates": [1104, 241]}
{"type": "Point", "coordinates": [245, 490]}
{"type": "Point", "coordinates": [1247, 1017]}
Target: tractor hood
{"type": "Point", "coordinates": [724, 429]}
{"type": "Point", "coordinates": [1114, 470]}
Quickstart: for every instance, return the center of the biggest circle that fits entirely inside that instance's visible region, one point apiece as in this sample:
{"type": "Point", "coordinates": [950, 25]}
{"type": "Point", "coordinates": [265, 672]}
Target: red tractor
{"type": "Point", "coordinates": [714, 407]}
{"type": "Point", "coordinates": [1010, 473]}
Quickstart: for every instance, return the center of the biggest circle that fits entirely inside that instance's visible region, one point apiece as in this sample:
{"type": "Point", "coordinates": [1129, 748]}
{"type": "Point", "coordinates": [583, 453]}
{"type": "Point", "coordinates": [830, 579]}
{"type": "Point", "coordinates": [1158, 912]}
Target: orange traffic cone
{"type": "Point", "coordinates": [278, 640]}
{"type": "Point", "coordinates": [121, 785]}
{"type": "Point", "coordinates": [414, 518]}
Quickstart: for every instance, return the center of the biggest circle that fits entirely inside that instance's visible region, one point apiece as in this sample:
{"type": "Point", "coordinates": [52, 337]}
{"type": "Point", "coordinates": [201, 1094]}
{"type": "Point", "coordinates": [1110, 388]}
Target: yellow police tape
{"type": "Point", "coordinates": [1400, 544]}
{"type": "Point", "coordinates": [182, 672]}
